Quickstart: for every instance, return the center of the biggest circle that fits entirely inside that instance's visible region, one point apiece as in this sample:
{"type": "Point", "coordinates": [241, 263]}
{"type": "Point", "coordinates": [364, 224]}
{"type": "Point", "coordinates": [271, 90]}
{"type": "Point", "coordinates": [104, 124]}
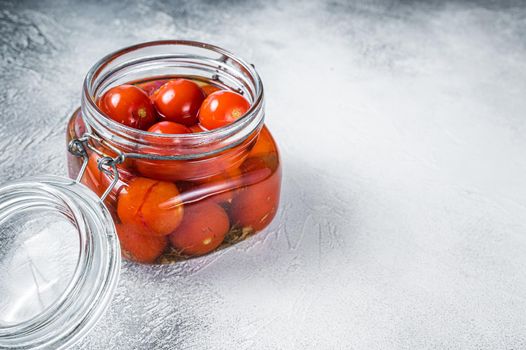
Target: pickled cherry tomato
{"type": "Point", "coordinates": [128, 105]}
{"type": "Point", "coordinates": [152, 207]}
{"type": "Point", "coordinates": [167, 127]}
{"type": "Point", "coordinates": [222, 108]}
{"type": "Point", "coordinates": [256, 205]}
{"type": "Point", "coordinates": [151, 86]}
{"type": "Point", "coordinates": [222, 186]}
{"type": "Point", "coordinates": [209, 89]}
{"type": "Point", "coordinates": [204, 227]}
{"type": "Point", "coordinates": [196, 128]}
{"type": "Point", "coordinates": [179, 101]}
{"type": "Point", "coordinates": [140, 248]}
{"type": "Point", "coordinates": [264, 146]}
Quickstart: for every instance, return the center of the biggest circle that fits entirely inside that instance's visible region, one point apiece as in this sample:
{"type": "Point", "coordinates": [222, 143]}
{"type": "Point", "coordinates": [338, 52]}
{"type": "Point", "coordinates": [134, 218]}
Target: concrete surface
{"type": "Point", "coordinates": [402, 126]}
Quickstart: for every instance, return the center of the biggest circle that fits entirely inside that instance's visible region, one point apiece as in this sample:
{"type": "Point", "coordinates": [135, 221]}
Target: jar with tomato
{"type": "Point", "coordinates": [172, 136]}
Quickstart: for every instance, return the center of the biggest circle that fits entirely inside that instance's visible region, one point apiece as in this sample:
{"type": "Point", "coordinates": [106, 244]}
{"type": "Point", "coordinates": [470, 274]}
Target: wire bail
{"type": "Point", "coordinates": [105, 163]}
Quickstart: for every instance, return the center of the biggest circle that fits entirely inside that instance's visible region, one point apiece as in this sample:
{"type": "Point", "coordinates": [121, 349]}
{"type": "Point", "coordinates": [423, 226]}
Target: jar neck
{"type": "Point", "coordinates": [163, 59]}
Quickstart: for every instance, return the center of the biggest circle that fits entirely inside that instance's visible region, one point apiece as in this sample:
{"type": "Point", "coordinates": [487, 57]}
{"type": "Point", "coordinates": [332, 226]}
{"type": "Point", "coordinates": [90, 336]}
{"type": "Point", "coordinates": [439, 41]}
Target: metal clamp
{"type": "Point", "coordinates": [78, 147]}
{"type": "Point", "coordinates": [105, 164]}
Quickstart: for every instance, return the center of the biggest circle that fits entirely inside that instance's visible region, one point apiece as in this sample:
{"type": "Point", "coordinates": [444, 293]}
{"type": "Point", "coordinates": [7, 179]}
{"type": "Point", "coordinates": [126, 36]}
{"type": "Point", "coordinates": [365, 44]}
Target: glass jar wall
{"type": "Point", "coordinates": [179, 195]}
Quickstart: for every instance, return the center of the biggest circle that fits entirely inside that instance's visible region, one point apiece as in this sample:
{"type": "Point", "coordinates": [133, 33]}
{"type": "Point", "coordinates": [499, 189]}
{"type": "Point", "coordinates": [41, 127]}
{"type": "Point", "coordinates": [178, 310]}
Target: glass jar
{"type": "Point", "coordinates": [178, 196]}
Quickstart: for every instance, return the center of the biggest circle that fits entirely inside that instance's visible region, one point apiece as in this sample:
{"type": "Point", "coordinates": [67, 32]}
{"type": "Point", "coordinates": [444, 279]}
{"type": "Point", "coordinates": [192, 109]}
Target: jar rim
{"type": "Point", "coordinates": [247, 120]}
{"type": "Point", "coordinates": [76, 308]}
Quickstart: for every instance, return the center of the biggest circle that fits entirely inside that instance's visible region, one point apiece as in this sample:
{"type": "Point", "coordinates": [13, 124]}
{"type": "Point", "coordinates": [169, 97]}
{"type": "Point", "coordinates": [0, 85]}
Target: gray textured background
{"type": "Point", "coordinates": [402, 130]}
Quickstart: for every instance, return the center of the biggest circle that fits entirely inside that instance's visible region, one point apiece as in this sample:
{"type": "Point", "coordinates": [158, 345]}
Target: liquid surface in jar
{"type": "Point", "coordinates": [167, 211]}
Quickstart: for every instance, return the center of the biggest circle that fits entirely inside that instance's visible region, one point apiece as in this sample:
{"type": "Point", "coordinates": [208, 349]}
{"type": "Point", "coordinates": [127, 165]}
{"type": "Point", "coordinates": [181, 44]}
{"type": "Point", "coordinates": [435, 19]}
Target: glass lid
{"type": "Point", "coordinates": [59, 262]}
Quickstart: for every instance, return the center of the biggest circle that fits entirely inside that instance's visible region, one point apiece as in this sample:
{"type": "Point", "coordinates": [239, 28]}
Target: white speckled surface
{"type": "Point", "coordinates": [402, 131]}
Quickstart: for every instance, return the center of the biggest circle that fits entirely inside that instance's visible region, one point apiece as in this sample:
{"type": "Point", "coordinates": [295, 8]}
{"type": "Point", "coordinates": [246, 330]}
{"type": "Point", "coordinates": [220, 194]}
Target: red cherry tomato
{"type": "Point", "coordinates": [256, 205]}
{"type": "Point", "coordinates": [128, 105]}
{"type": "Point", "coordinates": [140, 248]}
{"type": "Point", "coordinates": [209, 89]}
{"type": "Point", "coordinates": [151, 86]}
{"type": "Point", "coordinates": [152, 207]}
{"type": "Point", "coordinates": [223, 186]}
{"type": "Point", "coordinates": [222, 108]}
{"type": "Point", "coordinates": [196, 128]}
{"type": "Point", "coordinates": [264, 145]}
{"type": "Point", "coordinates": [167, 127]}
{"type": "Point", "coordinates": [179, 101]}
{"type": "Point", "coordinates": [204, 227]}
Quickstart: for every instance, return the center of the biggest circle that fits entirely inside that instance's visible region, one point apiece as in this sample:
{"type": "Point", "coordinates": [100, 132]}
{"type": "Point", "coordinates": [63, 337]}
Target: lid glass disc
{"type": "Point", "coordinates": [39, 251]}
{"type": "Point", "coordinates": [59, 262]}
